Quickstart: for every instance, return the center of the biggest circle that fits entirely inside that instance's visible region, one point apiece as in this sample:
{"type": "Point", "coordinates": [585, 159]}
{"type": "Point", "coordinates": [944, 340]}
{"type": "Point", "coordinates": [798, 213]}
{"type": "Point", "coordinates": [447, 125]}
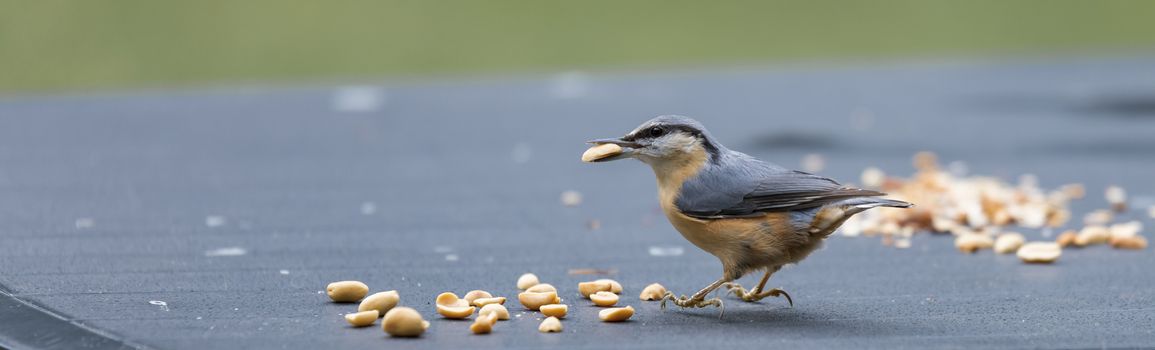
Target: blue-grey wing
{"type": "Point", "coordinates": [748, 188]}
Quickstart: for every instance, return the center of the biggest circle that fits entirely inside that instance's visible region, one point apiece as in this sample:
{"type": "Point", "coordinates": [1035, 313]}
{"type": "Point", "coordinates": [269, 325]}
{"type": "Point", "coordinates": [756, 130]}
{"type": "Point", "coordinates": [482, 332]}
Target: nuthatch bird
{"type": "Point", "coordinates": [750, 214]}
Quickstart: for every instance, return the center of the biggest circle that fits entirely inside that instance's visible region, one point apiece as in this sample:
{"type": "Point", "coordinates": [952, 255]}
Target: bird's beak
{"type": "Point", "coordinates": [628, 148]}
{"type": "Point", "coordinates": [619, 142]}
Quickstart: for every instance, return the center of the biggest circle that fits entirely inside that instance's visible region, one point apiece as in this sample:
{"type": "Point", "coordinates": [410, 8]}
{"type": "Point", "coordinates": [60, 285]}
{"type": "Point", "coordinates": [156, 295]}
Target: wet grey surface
{"type": "Point", "coordinates": [110, 202]}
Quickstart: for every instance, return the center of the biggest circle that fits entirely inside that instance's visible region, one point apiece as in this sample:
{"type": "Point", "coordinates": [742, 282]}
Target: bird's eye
{"type": "Point", "coordinates": [656, 131]}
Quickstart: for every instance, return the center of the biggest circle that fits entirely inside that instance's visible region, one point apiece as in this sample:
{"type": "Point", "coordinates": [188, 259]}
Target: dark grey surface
{"type": "Point", "coordinates": [440, 160]}
{"type": "Point", "coordinates": [27, 325]}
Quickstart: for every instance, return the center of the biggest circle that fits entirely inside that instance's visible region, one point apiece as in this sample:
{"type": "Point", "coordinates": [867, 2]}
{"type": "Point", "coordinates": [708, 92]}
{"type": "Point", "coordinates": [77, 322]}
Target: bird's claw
{"type": "Point", "coordinates": [752, 296]}
{"type": "Point", "coordinates": [685, 302]}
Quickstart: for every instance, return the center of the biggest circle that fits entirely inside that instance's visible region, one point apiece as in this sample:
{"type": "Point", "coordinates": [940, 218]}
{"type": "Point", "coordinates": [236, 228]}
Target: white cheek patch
{"type": "Point", "coordinates": [682, 142]}
{"type": "Point", "coordinates": [670, 145]}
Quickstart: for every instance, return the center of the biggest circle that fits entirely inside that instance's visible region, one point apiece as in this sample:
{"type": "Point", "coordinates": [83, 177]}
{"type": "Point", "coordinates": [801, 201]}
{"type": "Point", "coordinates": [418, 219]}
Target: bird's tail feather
{"type": "Point", "coordinates": [861, 204]}
{"type": "Point", "coordinates": [831, 216]}
{"type": "Point", "coordinates": [872, 202]}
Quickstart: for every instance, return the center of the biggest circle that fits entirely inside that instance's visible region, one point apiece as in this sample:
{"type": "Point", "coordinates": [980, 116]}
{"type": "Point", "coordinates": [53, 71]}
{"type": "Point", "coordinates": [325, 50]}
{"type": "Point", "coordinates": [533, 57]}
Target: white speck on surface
{"type": "Point", "coordinates": [163, 305]}
{"type": "Point", "coordinates": [358, 99]}
{"type": "Point", "coordinates": [85, 223]}
{"type": "Point", "coordinates": [451, 257]}
{"type": "Point", "coordinates": [813, 163]}
{"type": "Point", "coordinates": [442, 249]}
{"type": "Point", "coordinates": [284, 272]}
{"type": "Point", "coordinates": [236, 309]}
{"type": "Point", "coordinates": [226, 251]}
{"type": "Point", "coordinates": [368, 208]}
{"type": "Point", "coordinates": [569, 85]}
{"type": "Point", "coordinates": [666, 251]}
{"type": "Point", "coordinates": [521, 153]}
{"type": "Point", "coordinates": [1115, 195]}
{"type": "Point", "coordinates": [594, 224]}
{"type": "Point", "coordinates": [902, 243]}
{"type": "Point", "coordinates": [571, 198]}
{"type": "Point", "coordinates": [872, 177]}
{"type": "Point", "coordinates": [198, 317]}
{"type": "Point", "coordinates": [215, 221]}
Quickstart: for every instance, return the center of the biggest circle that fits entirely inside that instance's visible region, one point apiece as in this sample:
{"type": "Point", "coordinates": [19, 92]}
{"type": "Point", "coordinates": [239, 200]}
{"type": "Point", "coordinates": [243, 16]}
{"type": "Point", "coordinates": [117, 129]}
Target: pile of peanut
{"type": "Point", "coordinates": [980, 213]}
{"type": "Point", "coordinates": [400, 321]}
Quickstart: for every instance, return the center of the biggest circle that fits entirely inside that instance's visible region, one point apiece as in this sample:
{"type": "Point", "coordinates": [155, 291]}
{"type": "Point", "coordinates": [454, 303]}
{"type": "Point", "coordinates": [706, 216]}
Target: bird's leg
{"type": "Point", "coordinates": [698, 299]}
{"type": "Point", "coordinates": [757, 294]}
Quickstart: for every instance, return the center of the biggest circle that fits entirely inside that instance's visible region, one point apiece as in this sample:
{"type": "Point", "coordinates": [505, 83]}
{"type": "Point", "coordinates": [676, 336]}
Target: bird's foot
{"type": "Point", "coordinates": [685, 302]}
{"type": "Point", "coordinates": [755, 295]}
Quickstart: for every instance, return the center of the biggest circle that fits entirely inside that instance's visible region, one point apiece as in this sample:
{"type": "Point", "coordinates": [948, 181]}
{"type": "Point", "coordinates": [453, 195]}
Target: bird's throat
{"type": "Point", "coordinates": [671, 173]}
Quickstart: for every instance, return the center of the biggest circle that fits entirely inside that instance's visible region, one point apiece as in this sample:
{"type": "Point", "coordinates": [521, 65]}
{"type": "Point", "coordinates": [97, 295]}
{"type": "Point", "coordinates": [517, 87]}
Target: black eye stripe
{"type": "Point", "coordinates": [656, 131]}
{"type": "Point", "coordinates": [665, 129]}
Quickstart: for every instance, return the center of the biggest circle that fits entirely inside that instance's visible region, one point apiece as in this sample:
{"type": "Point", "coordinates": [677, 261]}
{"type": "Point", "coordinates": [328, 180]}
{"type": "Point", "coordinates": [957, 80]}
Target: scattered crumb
{"type": "Point", "coordinates": [85, 223]}
{"type": "Point", "coordinates": [975, 209]}
{"type": "Point", "coordinates": [872, 177]}
{"type": "Point", "coordinates": [227, 251]}
{"type": "Point", "coordinates": [1117, 197]}
{"type": "Point", "coordinates": [925, 161]}
{"type": "Point", "coordinates": [451, 257]}
{"type": "Point", "coordinates": [1075, 191]}
{"type": "Point", "coordinates": [214, 221]}
{"type": "Point", "coordinates": [951, 202]}
{"type": "Point", "coordinates": [163, 305]}
{"type": "Point", "coordinates": [1126, 229]}
{"type": "Point", "coordinates": [594, 225]}
{"type": "Point", "coordinates": [1040, 252]}
{"type": "Point", "coordinates": [284, 272]}
{"type": "Point", "coordinates": [571, 198]}
{"type": "Point", "coordinates": [666, 251]}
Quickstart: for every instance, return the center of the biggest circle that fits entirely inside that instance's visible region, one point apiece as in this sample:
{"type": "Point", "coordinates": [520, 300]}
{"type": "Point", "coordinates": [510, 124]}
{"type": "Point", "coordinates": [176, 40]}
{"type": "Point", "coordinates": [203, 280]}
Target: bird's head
{"type": "Point", "coordinates": [665, 139]}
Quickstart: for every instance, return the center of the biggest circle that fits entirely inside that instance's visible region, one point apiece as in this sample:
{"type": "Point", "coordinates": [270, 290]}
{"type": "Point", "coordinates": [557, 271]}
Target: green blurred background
{"type": "Point", "coordinates": [53, 45]}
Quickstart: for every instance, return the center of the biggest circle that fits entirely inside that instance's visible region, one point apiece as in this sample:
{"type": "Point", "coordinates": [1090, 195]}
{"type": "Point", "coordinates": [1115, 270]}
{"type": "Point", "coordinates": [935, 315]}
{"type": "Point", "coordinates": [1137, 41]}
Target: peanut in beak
{"type": "Point", "coordinates": [601, 152]}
